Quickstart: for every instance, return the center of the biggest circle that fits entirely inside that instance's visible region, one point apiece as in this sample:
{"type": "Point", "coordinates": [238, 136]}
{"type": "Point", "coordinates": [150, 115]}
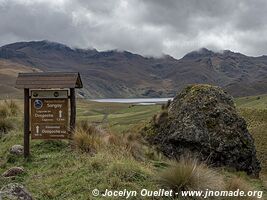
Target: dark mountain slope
{"type": "Point", "coordinates": [239, 74]}
{"type": "Point", "coordinates": [124, 74]}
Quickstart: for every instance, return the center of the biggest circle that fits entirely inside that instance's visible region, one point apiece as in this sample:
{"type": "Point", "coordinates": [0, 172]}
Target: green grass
{"type": "Point", "coordinates": [119, 117]}
{"type": "Point", "coordinates": [254, 111]}
{"type": "Point", "coordinates": [55, 171]}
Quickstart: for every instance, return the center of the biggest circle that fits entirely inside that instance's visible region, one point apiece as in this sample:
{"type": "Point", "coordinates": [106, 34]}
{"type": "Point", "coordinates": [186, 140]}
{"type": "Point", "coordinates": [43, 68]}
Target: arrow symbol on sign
{"type": "Point", "coordinates": [37, 129]}
{"type": "Point", "coordinates": [60, 114]}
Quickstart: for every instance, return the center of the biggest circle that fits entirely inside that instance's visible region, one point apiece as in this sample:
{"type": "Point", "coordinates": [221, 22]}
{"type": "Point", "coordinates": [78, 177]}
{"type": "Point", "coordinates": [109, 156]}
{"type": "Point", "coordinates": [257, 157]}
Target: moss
{"type": "Point", "coordinates": [211, 124]}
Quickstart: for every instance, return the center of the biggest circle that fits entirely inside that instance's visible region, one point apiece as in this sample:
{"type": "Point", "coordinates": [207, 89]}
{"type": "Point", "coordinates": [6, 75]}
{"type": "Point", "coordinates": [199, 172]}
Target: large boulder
{"type": "Point", "coordinates": [202, 121]}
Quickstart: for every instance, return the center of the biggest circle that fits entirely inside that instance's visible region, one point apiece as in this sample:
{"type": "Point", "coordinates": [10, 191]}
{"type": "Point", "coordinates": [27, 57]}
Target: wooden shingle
{"type": "Point", "coordinates": [47, 80]}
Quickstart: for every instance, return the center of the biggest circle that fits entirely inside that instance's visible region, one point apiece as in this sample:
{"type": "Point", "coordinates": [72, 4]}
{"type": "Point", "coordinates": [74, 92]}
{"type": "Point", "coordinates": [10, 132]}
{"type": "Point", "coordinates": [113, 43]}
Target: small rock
{"type": "Point", "coordinates": [17, 149]}
{"type": "Point", "coordinates": [15, 191]}
{"type": "Point", "coordinates": [14, 171]}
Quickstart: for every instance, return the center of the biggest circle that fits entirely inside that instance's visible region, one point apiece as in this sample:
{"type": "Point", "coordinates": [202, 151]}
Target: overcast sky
{"type": "Point", "coordinates": [147, 27]}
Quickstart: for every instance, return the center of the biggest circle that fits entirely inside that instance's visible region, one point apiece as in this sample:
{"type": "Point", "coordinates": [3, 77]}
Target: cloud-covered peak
{"type": "Point", "coordinates": [200, 53]}
{"type": "Point", "coordinates": [150, 28]}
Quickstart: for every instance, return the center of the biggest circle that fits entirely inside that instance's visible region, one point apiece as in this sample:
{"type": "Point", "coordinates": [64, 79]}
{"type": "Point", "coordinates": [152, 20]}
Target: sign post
{"type": "Point", "coordinates": [72, 109]}
{"type": "Point", "coordinates": [26, 123]}
{"type": "Point", "coordinates": [47, 97]}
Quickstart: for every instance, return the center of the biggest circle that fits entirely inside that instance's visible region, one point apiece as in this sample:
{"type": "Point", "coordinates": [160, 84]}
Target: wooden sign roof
{"type": "Point", "coordinates": [47, 80]}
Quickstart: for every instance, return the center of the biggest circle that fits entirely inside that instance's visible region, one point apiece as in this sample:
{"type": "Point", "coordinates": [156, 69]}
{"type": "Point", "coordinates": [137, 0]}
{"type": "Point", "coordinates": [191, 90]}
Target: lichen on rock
{"type": "Point", "coordinates": [202, 120]}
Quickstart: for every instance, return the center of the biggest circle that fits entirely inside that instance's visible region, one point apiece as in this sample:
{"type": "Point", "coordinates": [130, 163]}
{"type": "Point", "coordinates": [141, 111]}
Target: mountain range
{"type": "Point", "coordinates": [122, 74]}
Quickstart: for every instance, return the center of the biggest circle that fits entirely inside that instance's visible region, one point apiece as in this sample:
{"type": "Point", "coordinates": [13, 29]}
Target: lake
{"type": "Point", "coordinates": [140, 101]}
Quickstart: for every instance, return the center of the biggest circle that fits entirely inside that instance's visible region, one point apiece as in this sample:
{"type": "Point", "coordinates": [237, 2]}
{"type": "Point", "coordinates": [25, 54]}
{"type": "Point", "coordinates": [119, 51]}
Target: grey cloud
{"type": "Point", "coordinates": [148, 27]}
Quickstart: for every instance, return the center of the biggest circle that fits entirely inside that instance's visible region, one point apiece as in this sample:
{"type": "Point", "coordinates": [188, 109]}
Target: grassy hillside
{"type": "Point", "coordinates": [56, 171]}
{"type": "Point", "coordinates": [254, 110]}
{"type": "Point", "coordinates": [119, 117]}
{"type": "Point", "coordinates": [8, 74]}
{"type": "Point", "coordinates": [252, 102]}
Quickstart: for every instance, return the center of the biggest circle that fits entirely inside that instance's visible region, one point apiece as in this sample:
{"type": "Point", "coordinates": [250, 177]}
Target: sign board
{"type": "Point", "coordinates": [46, 107]}
{"type": "Point", "coordinates": [49, 114]}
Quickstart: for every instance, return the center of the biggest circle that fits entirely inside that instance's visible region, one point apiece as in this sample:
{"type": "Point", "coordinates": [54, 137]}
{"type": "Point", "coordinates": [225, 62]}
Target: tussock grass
{"type": "Point", "coordinates": [3, 112]}
{"type": "Point", "coordinates": [257, 124]}
{"type": "Point", "coordinates": [91, 139]}
{"type": "Point", "coordinates": [87, 138]}
{"type": "Point", "coordinates": [160, 118]}
{"type": "Point", "coordinates": [6, 125]}
{"type": "Point", "coordinates": [188, 174]}
{"type": "Point", "coordinates": [12, 107]}
{"type": "Point", "coordinates": [137, 147]}
{"type": "Point", "coordinates": [238, 183]}
{"type": "Point", "coordinates": [8, 110]}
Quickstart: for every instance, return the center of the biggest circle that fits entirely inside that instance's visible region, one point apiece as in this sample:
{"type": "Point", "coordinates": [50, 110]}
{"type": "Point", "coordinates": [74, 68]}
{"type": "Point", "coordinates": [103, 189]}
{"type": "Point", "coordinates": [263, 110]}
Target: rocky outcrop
{"type": "Point", "coordinates": [202, 120]}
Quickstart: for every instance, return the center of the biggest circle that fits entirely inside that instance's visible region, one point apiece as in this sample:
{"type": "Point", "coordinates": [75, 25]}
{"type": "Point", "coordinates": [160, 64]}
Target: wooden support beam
{"type": "Point", "coordinates": [26, 123]}
{"type": "Point", "coordinates": [72, 110]}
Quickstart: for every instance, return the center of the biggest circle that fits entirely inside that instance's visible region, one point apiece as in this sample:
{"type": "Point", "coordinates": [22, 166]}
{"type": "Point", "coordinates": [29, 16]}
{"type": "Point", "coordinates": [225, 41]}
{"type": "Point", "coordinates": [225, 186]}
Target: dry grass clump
{"type": "Point", "coordinates": [166, 105]}
{"type": "Point", "coordinates": [92, 138]}
{"type": "Point", "coordinates": [132, 144]}
{"type": "Point", "coordinates": [3, 112]}
{"type": "Point", "coordinates": [8, 110]}
{"type": "Point", "coordinates": [5, 126]}
{"type": "Point", "coordinates": [160, 118]}
{"type": "Point", "coordinates": [237, 183]}
{"type": "Point", "coordinates": [188, 174]}
{"type": "Point", "coordinates": [87, 138]}
{"type": "Point", "coordinates": [12, 107]}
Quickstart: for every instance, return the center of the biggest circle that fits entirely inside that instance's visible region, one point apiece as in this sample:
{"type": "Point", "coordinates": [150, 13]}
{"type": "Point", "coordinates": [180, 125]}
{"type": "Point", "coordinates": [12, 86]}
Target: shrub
{"type": "Point", "coordinates": [85, 126]}
{"type": "Point", "coordinates": [87, 140]}
{"type": "Point", "coordinates": [12, 107]}
{"type": "Point", "coordinates": [132, 143]}
{"type": "Point", "coordinates": [166, 105]}
{"type": "Point", "coordinates": [9, 109]}
{"type": "Point", "coordinates": [91, 138]}
{"type": "Point", "coordinates": [3, 112]}
{"type": "Point", "coordinates": [160, 118]}
{"type": "Point", "coordinates": [237, 183]}
{"type": "Point", "coordinates": [126, 171]}
{"type": "Point", "coordinates": [188, 174]}
{"type": "Point", "coordinates": [6, 125]}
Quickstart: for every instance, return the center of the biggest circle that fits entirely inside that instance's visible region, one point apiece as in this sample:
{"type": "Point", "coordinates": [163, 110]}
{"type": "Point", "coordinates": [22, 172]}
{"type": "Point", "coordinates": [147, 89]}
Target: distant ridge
{"type": "Point", "coordinates": [111, 74]}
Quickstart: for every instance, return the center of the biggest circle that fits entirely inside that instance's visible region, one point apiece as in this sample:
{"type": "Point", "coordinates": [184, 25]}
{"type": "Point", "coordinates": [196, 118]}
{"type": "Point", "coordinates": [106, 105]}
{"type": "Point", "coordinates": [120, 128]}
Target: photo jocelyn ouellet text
{"type": "Point", "coordinates": [170, 193]}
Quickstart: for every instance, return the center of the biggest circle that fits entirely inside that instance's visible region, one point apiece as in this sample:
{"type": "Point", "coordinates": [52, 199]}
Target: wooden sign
{"type": "Point", "coordinates": [46, 111]}
{"type": "Point", "coordinates": [49, 116]}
